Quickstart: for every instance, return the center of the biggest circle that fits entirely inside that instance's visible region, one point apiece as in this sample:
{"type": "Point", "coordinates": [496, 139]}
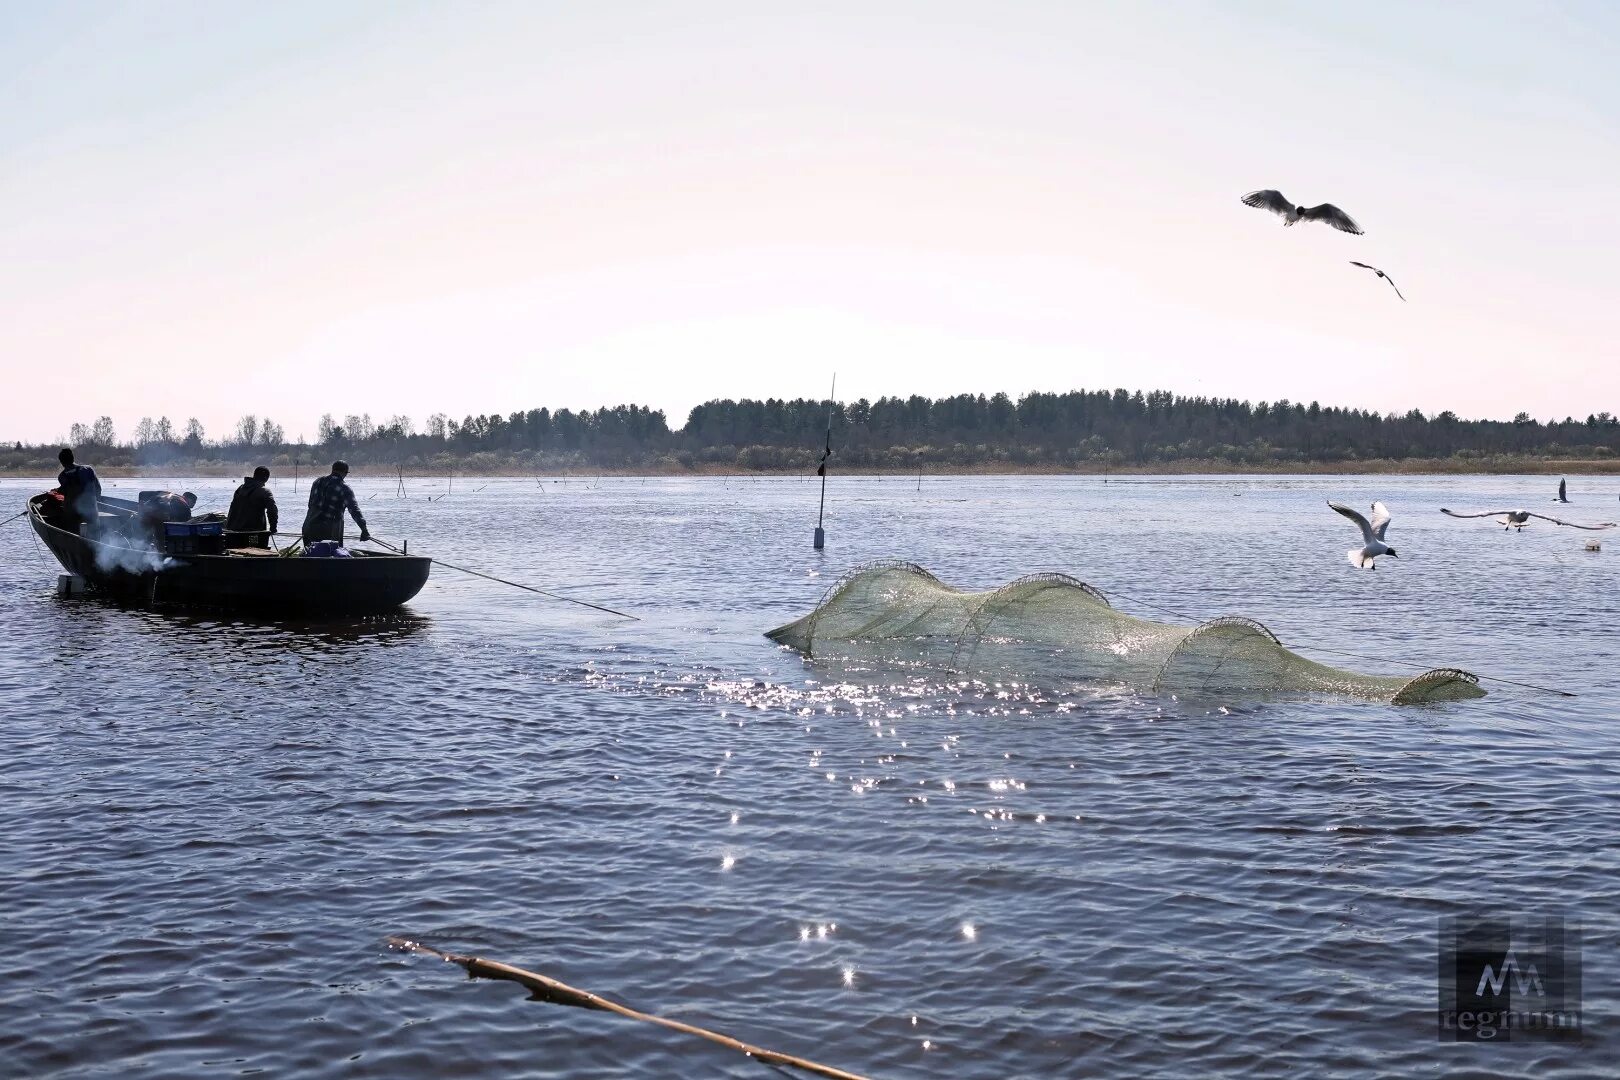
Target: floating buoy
{"type": "Point", "coordinates": [1593, 545]}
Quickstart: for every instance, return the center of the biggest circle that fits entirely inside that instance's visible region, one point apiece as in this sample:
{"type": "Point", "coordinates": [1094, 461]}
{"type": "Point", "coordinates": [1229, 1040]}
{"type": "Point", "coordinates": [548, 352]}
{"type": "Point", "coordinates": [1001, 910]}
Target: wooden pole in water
{"type": "Point", "coordinates": [820, 539]}
{"type": "Point", "coordinates": [545, 988]}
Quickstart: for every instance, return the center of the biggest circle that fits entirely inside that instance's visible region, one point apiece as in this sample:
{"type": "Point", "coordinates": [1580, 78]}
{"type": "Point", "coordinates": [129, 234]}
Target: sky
{"type": "Point", "coordinates": [301, 208]}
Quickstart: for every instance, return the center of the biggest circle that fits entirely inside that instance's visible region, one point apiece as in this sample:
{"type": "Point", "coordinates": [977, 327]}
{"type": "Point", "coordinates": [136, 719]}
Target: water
{"type": "Point", "coordinates": [207, 825]}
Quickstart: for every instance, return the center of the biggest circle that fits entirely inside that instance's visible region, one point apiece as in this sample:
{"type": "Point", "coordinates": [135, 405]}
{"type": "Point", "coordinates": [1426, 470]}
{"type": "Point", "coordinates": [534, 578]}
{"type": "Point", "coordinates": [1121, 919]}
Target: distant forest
{"type": "Point", "coordinates": [1081, 430]}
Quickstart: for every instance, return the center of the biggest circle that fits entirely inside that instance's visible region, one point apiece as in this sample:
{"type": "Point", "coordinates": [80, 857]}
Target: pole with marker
{"type": "Point", "coordinates": [821, 469]}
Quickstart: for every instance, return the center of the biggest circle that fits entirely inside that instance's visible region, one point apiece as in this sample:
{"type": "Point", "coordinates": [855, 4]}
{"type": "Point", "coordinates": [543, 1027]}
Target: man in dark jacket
{"type": "Point", "coordinates": [153, 508]}
{"type": "Point", "coordinates": [253, 515]}
{"type": "Point", "coordinates": [156, 507]}
{"type": "Point", "coordinates": [80, 489]}
{"type": "Point", "coordinates": [328, 498]}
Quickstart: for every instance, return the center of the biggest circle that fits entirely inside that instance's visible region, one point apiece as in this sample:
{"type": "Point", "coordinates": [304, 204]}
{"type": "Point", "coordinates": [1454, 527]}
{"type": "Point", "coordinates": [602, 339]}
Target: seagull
{"type": "Point", "coordinates": [1274, 201]}
{"type": "Point", "coordinates": [1518, 519]}
{"type": "Point", "coordinates": [1372, 535]}
{"type": "Point", "coordinates": [1563, 491]}
{"type": "Point", "coordinates": [1381, 274]}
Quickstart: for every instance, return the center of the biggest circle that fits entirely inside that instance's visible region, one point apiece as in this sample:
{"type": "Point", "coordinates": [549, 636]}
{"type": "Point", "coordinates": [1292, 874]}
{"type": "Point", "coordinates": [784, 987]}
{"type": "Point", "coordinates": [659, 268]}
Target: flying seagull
{"type": "Point", "coordinates": [1372, 535]}
{"type": "Point", "coordinates": [1274, 201]}
{"type": "Point", "coordinates": [1518, 519]}
{"type": "Point", "coordinates": [1381, 274]}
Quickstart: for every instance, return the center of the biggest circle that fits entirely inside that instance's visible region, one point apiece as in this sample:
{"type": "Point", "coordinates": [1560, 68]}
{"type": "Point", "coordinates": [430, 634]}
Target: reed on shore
{"type": "Point", "coordinates": [1453, 466]}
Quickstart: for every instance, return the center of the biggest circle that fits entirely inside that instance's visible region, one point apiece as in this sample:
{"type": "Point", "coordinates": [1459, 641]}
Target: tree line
{"type": "Point", "coordinates": [1080, 429]}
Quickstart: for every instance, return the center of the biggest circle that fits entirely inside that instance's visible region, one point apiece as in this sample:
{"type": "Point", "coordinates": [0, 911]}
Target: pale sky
{"type": "Point", "coordinates": [294, 208]}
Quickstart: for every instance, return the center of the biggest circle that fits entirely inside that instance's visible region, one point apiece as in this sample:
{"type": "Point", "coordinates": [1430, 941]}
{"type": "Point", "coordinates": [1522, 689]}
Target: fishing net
{"type": "Point", "coordinates": [1054, 629]}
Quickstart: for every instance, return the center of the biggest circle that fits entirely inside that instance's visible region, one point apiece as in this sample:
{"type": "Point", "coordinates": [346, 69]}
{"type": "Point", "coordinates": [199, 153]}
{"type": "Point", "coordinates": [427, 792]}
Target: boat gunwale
{"type": "Point", "coordinates": [35, 515]}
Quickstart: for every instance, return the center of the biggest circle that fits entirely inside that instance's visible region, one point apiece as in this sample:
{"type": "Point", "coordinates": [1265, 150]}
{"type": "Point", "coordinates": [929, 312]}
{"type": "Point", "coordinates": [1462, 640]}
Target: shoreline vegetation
{"type": "Point", "coordinates": [1408, 467]}
{"type": "Point", "coordinates": [1097, 432]}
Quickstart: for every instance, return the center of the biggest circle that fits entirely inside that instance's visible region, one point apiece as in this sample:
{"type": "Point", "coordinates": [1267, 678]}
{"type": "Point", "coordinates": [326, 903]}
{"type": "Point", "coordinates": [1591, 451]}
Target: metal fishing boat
{"type": "Point", "coordinates": [108, 561]}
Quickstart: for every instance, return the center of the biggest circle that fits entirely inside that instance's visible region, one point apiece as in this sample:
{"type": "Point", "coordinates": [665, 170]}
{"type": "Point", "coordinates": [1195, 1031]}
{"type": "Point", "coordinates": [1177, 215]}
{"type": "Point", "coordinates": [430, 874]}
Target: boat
{"type": "Point", "coordinates": [249, 578]}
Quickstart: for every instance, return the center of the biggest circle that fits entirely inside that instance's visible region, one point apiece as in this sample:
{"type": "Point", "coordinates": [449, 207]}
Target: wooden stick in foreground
{"type": "Point", "coordinates": [545, 988]}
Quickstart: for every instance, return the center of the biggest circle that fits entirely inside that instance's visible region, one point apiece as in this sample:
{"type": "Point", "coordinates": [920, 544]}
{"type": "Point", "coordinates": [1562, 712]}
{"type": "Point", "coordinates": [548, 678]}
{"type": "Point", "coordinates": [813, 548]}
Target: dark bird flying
{"type": "Point", "coordinates": [1269, 199]}
{"type": "Point", "coordinates": [1381, 274]}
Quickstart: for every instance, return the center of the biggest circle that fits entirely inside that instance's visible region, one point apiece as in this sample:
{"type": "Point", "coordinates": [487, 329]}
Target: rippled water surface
{"type": "Point", "coordinates": [208, 824]}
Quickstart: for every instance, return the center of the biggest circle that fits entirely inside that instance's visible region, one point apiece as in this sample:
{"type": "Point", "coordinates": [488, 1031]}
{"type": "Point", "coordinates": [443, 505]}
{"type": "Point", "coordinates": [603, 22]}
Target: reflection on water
{"type": "Point", "coordinates": [236, 631]}
{"type": "Point", "coordinates": [209, 823]}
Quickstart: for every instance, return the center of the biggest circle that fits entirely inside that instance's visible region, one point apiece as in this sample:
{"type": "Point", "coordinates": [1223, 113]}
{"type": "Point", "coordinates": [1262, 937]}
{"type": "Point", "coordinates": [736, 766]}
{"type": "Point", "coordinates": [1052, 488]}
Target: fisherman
{"type": "Point", "coordinates": [160, 506]}
{"type": "Point", "coordinates": [80, 489]}
{"type": "Point", "coordinates": [153, 509]}
{"type": "Point", "coordinates": [253, 515]}
{"type": "Point", "coordinates": [328, 498]}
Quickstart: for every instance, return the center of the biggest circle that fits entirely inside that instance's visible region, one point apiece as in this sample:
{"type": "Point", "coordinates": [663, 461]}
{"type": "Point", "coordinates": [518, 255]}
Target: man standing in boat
{"type": "Point", "coordinates": [79, 487]}
{"type": "Point", "coordinates": [253, 514]}
{"type": "Point", "coordinates": [328, 498]}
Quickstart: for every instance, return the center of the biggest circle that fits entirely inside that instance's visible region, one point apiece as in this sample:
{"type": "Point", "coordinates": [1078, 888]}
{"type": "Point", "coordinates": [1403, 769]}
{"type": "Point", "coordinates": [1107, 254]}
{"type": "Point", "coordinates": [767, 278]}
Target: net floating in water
{"type": "Point", "coordinates": [1055, 629]}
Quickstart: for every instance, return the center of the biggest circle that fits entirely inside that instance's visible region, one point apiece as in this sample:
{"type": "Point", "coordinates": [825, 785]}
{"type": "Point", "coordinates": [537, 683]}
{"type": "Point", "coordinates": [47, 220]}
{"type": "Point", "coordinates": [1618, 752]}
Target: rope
{"type": "Point", "coordinates": [1342, 652]}
{"type": "Point", "coordinates": [33, 536]}
{"type": "Point", "coordinates": [14, 517]}
{"type": "Point", "coordinates": [545, 988]}
{"type": "Point", "coordinates": [515, 584]}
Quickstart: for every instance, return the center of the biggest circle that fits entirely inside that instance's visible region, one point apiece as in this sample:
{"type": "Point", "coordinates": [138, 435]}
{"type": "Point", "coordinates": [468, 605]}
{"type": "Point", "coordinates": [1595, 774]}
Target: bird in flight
{"type": "Point", "coordinates": [1518, 519]}
{"type": "Point", "coordinates": [1381, 274]}
{"type": "Point", "coordinates": [1327, 212]}
{"type": "Point", "coordinates": [1563, 491]}
{"type": "Point", "coordinates": [1372, 535]}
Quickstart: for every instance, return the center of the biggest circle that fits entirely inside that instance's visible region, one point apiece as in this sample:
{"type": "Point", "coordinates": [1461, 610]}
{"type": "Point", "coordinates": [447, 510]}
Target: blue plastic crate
{"type": "Point", "coordinates": [194, 537]}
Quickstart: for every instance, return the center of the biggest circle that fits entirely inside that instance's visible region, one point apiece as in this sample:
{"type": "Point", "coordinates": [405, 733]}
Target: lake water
{"type": "Point", "coordinates": [208, 825]}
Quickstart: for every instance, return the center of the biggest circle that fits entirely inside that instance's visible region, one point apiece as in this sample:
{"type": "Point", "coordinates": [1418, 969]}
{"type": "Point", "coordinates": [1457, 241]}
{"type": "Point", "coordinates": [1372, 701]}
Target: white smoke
{"type": "Point", "coordinates": [132, 560]}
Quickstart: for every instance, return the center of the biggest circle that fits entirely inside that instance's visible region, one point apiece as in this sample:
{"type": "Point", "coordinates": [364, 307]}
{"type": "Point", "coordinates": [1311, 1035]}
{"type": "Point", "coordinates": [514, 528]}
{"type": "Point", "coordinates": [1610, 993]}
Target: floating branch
{"type": "Point", "coordinates": [545, 988]}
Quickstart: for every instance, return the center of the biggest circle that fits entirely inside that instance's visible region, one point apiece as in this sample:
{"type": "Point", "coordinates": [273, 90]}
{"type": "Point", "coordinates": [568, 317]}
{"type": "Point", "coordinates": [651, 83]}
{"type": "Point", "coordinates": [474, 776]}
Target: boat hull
{"type": "Point", "coordinates": [364, 584]}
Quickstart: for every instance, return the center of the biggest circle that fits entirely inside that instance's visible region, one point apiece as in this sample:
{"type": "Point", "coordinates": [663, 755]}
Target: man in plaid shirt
{"type": "Point", "coordinates": [328, 498]}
